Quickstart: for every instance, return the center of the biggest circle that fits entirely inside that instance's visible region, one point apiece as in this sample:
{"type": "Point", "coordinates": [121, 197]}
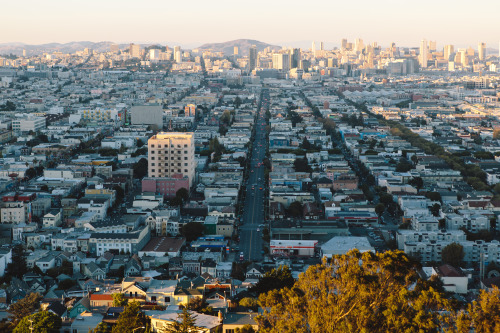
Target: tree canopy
{"type": "Point", "coordinates": [356, 292]}
{"type": "Point", "coordinates": [24, 307]}
{"type": "Point", "coordinates": [452, 254]}
{"type": "Point", "coordinates": [131, 318]}
{"type": "Point", "coordinates": [185, 323]}
{"type": "Point", "coordinates": [40, 322]}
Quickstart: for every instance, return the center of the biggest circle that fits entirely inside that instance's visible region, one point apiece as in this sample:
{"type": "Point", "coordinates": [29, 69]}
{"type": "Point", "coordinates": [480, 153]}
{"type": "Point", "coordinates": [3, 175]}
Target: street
{"type": "Point", "coordinates": [253, 211]}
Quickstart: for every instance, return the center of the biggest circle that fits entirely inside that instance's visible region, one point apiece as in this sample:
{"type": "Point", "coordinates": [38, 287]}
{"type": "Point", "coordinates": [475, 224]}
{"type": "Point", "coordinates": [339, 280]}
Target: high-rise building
{"type": "Point", "coordinates": [190, 110]}
{"type": "Point", "coordinates": [448, 51]}
{"type": "Point", "coordinates": [252, 58]}
{"type": "Point", "coordinates": [295, 58]}
{"type": "Point", "coordinates": [135, 50]}
{"type": "Point", "coordinates": [154, 54]}
{"type": "Point", "coordinates": [235, 50]}
{"type": "Point", "coordinates": [481, 50]}
{"type": "Point", "coordinates": [359, 45]}
{"type": "Point", "coordinates": [432, 46]}
{"type": "Point", "coordinates": [321, 46]}
{"type": "Point", "coordinates": [313, 47]}
{"type": "Point", "coordinates": [281, 61]}
{"type": "Point", "coordinates": [177, 54]}
{"type": "Point", "coordinates": [343, 43]}
{"type": "Point", "coordinates": [424, 53]}
{"type": "Point", "coordinates": [114, 48]}
{"type": "Point", "coordinates": [171, 153]}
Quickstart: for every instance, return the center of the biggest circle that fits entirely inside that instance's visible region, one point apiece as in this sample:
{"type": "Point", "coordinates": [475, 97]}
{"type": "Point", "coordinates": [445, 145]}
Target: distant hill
{"type": "Point", "coordinates": [71, 47]}
{"type": "Point", "coordinates": [242, 44]}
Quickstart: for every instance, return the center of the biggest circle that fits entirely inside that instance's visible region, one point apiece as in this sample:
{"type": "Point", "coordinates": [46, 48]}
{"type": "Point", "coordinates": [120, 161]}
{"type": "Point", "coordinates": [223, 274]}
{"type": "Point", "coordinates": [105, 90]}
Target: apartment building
{"type": "Point", "coordinates": [170, 154]}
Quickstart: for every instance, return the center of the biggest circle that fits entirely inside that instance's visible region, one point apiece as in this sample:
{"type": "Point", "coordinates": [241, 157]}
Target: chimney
{"type": "Point", "coordinates": [220, 316]}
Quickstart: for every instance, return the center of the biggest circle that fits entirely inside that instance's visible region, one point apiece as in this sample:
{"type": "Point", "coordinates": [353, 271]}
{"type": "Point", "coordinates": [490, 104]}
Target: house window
{"type": "Point", "coordinates": [167, 299]}
{"type": "Point", "coordinates": [153, 298]}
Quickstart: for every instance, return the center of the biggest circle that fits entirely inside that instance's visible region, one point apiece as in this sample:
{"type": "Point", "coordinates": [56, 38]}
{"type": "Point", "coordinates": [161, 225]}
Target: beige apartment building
{"type": "Point", "coordinates": [171, 153]}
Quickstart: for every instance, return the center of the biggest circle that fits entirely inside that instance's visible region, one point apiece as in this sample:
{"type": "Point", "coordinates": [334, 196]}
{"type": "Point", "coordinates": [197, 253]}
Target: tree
{"type": "Point", "coordinates": [295, 209]}
{"type": "Point", "coordinates": [24, 307]}
{"type": "Point", "coordinates": [379, 209]}
{"type": "Point", "coordinates": [183, 194]}
{"type": "Point", "coordinates": [192, 230]}
{"type": "Point", "coordinates": [140, 168]}
{"type": "Point", "coordinates": [237, 102]}
{"type": "Point", "coordinates": [435, 209]}
{"type": "Point", "coordinates": [139, 143]}
{"type": "Point", "coordinates": [131, 319]}
{"type": "Point", "coordinates": [301, 165]}
{"type": "Point", "coordinates": [452, 254]}
{"type": "Point", "coordinates": [245, 329]}
{"type": "Point", "coordinates": [199, 304]}
{"type": "Point", "coordinates": [66, 284]}
{"type": "Point", "coordinates": [356, 292]}
{"type": "Point", "coordinates": [185, 323]}
{"type": "Point", "coordinates": [119, 299]}
{"type": "Point", "coordinates": [433, 196]}
{"type": "Point", "coordinates": [102, 327]}
{"type": "Point", "coordinates": [417, 182]}
{"type": "Point", "coordinates": [276, 278]}
{"type": "Point", "coordinates": [40, 322]}
{"type": "Point", "coordinates": [248, 302]}
{"type": "Point", "coordinates": [403, 165]}
{"type": "Point", "coordinates": [483, 314]}
{"type": "Point", "coordinates": [30, 173]}
{"type": "Point", "coordinates": [17, 268]}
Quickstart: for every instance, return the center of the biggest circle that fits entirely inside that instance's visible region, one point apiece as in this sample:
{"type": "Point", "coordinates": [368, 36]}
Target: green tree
{"type": "Point", "coordinates": [132, 318]}
{"type": "Point", "coordinates": [24, 307]}
{"type": "Point", "coordinates": [379, 209]}
{"type": "Point", "coordinates": [102, 327]}
{"type": "Point", "coordinates": [249, 302]}
{"type": "Point", "coordinates": [185, 323]}
{"type": "Point", "coordinates": [17, 268]}
{"type": "Point", "coordinates": [140, 168]}
{"type": "Point", "coordinates": [301, 165]}
{"type": "Point", "coordinates": [119, 299]}
{"type": "Point", "coordinates": [417, 182]}
{"type": "Point", "coordinates": [245, 329]}
{"type": "Point", "coordinates": [435, 209]}
{"type": "Point", "coordinates": [192, 230]}
{"type": "Point", "coordinates": [453, 254]}
{"type": "Point", "coordinates": [139, 143]}
{"type": "Point", "coordinates": [66, 284]}
{"type": "Point", "coordinates": [40, 322]}
{"type": "Point", "coordinates": [295, 209]}
{"type": "Point", "coordinates": [199, 304]}
{"type": "Point", "coordinates": [276, 278]}
{"type": "Point", "coordinates": [30, 173]}
{"type": "Point", "coordinates": [356, 292]}
{"type": "Point", "coordinates": [183, 194]}
{"type": "Point", "coordinates": [433, 196]}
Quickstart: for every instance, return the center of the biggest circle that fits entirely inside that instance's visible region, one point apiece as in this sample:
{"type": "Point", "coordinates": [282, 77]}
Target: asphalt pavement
{"type": "Point", "coordinates": [253, 216]}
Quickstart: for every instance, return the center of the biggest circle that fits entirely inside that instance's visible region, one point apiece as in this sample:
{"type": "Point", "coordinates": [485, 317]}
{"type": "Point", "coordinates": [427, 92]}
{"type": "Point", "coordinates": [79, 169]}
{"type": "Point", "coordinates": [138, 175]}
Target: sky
{"type": "Point", "coordinates": [286, 23]}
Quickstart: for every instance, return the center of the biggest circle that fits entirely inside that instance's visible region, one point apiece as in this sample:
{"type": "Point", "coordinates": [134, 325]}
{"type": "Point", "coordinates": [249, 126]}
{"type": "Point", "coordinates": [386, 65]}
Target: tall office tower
{"type": "Point", "coordinates": [252, 58]}
{"type": "Point", "coordinates": [177, 54]}
{"type": "Point", "coordinates": [295, 58]}
{"type": "Point", "coordinates": [190, 110]}
{"type": "Point", "coordinates": [134, 50]}
{"type": "Point", "coordinates": [114, 48]}
{"type": "Point", "coordinates": [154, 54]}
{"type": "Point", "coordinates": [358, 45]}
{"type": "Point", "coordinates": [24, 52]}
{"type": "Point", "coordinates": [448, 51]}
{"type": "Point", "coordinates": [343, 43]}
{"type": "Point", "coordinates": [321, 46]}
{"type": "Point", "coordinates": [432, 46]}
{"type": "Point", "coordinates": [235, 50]}
{"type": "Point", "coordinates": [171, 153]}
{"type": "Point", "coordinates": [481, 49]}
{"type": "Point", "coordinates": [281, 61]}
{"type": "Point", "coordinates": [424, 53]}
{"type": "Point", "coordinates": [313, 47]}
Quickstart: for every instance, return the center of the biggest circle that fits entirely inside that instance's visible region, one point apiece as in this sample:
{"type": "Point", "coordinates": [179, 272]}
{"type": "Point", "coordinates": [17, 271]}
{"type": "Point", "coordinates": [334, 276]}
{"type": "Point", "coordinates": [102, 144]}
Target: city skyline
{"type": "Point", "coordinates": [124, 22]}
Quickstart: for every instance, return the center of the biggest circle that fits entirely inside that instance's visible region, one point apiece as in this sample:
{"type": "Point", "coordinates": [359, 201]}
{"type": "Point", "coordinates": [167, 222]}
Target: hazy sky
{"type": "Point", "coordinates": [194, 22]}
